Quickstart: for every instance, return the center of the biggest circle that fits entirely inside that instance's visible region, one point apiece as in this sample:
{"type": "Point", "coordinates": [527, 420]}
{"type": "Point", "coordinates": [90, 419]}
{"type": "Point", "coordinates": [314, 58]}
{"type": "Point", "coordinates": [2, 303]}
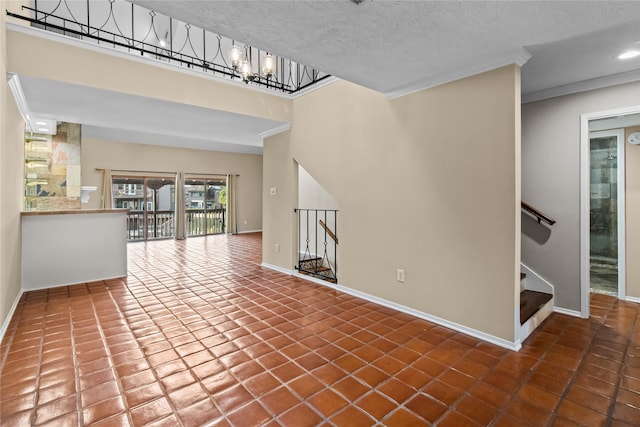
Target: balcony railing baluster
{"type": "Point", "coordinates": [192, 53]}
{"type": "Point", "coordinates": [161, 224]}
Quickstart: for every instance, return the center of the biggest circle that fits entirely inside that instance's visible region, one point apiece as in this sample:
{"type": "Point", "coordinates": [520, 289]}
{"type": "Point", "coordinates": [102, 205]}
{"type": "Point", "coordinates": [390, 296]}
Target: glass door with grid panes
{"type": "Point", "coordinates": [205, 205]}
{"type": "Point", "coordinates": [151, 204]}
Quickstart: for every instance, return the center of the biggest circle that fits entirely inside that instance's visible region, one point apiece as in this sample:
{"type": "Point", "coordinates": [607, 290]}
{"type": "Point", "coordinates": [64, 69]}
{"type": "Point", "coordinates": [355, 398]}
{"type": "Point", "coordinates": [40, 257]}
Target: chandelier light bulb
{"type": "Point", "coordinates": [246, 71]}
{"type": "Point", "coordinates": [629, 54]}
{"type": "Point", "coordinates": [236, 56]}
{"type": "Point", "coordinates": [268, 65]}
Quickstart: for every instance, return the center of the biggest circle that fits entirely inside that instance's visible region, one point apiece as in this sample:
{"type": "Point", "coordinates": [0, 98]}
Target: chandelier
{"type": "Point", "coordinates": [133, 29]}
{"type": "Point", "coordinates": [241, 64]}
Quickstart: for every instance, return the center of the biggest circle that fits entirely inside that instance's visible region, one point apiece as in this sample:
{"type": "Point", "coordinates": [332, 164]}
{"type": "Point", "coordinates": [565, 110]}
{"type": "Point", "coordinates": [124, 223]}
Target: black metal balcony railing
{"type": "Point", "coordinates": [134, 29]}
{"type": "Point", "coordinates": [318, 243]}
{"type": "Point", "coordinates": [161, 224]}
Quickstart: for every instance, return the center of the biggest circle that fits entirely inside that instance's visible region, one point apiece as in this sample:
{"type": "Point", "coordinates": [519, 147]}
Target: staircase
{"type": "Point", "coordinates": [536, 302]}
{"type": "Point", "coordinates": [315, 267]}
{"type": "Point", "coordinates": [318, 244]}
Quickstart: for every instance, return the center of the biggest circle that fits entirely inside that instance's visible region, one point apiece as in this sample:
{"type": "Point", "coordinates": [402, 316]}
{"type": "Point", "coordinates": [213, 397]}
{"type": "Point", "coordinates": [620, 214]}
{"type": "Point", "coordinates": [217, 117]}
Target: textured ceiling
{"type": "Point", "coordinates": [390, 46]}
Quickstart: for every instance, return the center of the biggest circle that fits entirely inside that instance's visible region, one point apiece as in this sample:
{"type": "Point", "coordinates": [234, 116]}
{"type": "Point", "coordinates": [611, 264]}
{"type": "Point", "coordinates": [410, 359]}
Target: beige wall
{"type": "Point", "coordinates": [632, 222]}
{"type": "Point", "coordinates": [124, 156]}
{"type": "Point", "coordinates": [11, 172]}
{"type": "Point", "coordinates": [279, 172]}
{"type": "Point", "coordinates": [551, 181]}
{"type": "Point", "coordinates": [128, 74]}
{"type": "Point", "coordinates": [427, 183]}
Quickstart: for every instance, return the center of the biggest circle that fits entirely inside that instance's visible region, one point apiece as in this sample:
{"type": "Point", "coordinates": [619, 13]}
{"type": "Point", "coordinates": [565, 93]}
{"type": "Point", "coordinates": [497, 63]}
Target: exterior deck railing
{"type": "Point", "coordinates": [200, 222]}
{"type": "Point", "coordinates": [161, 224]}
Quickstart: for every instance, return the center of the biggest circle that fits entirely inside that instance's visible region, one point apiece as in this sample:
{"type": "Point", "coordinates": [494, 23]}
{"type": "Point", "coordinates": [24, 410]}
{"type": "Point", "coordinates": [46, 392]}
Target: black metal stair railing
{"type": "Point", "coordinates": [131, 28]}
{"type": "Point", "coordinates": [318, 243]}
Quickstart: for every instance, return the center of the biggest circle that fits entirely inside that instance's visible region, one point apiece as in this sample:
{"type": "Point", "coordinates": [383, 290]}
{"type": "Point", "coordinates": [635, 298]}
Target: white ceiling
{"type": "Point", "coordinates": [389, 46]}
{"type": "Point", "coordinates": [125, 117]}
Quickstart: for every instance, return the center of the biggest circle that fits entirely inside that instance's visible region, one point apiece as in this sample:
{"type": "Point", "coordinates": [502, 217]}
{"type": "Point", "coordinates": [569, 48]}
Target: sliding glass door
{"type": "Point", "coordinates": [151, 204]}
{"type": "Point", "coordinates": [205, 205]}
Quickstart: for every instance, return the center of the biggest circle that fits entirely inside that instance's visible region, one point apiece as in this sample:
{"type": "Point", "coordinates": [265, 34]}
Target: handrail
{"type": "Point", "coordinates": [329, 232]}
{"type": "Point", "coordinates": [538, 214]}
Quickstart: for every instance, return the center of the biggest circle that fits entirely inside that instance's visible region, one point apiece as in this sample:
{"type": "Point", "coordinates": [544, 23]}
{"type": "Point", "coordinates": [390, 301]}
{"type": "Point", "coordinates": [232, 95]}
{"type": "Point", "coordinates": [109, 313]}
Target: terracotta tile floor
{"type": "Point", "coordinates": [199, 333]}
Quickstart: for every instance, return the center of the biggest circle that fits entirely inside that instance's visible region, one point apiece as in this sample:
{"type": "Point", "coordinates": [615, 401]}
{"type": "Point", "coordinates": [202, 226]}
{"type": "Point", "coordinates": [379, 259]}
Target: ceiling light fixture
{"type": "Point", "coordinates": [268, 65]}
{"type": "Point", "coordinates": [236, 55]}
{"type": "Point", "coordinates": [629, 54]}
{"type": "Point", "coordinates": [241, 64]}
{"type": "Point", "coordinates": [246, 71]}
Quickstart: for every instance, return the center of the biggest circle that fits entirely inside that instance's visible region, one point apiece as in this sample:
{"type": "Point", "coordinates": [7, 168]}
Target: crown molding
{"type": "Point", "coordinates": [518, 57]}
{"type": "Point", "coordinates": [13, 80]}
{"type": "Point", "coordinates": [583, 86]}
{"type": "Point", "coordinates": [276, 130]}
{"type": "Point", "coordinates": [316, 86]}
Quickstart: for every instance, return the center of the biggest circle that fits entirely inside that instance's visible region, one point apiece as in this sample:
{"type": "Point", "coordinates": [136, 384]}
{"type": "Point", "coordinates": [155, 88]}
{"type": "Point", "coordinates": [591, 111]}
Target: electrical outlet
{"type": "Point", "coordinates": [273, 191]}
{"type": "Point", "coordinates": [277, 247]}
{"type": "Point", "coordinates": [244, 222]}
{"type": "Point", "coordinates": [400, 275]}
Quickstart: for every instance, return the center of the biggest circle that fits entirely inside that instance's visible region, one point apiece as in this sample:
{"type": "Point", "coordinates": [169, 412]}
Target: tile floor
{"type": "Point", "coordinates": [200, 334]}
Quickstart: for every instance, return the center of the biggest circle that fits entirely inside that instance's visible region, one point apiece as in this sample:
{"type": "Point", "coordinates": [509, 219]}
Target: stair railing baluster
{"type": "Point", "coordinates": [314, 264]}
{"type": "Point", "coordinates": [335, 245]}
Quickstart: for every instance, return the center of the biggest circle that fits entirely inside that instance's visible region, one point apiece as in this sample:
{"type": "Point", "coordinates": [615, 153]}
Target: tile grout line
{"type": "Point", "coordinates": [571, 380]}
{"type": "Point", "coordinates": [152, 368]}
{"type": "Point", "coordinates": [189, 368]}
{"type": "Point", "coordinates": [110, 355]}
{"type": "Point", "coordinates": [36, 395]}
{"type": "Point", "coordinates": [623, 365]}
{"type": "Point", "coordinates": [76, 364]}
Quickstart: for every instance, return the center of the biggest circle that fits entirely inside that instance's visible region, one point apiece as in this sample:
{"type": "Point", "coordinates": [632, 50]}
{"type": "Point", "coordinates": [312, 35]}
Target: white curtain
{"type": "Point", "coordinates": [179, 214]}
{"type": "Point", "coordinates": [107, 190]}
{"type": "Point", "coordinates": [232, 223]}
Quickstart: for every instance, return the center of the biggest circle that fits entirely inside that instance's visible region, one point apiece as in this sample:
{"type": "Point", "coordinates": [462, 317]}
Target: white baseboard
{"type": "Point", "coordinates": [568, 312]}
{"type": "Point", "coordinates": [313, 279]}
{"type": "Point", "coordinates": [59, 285]}
{"type": "Point", "coordinates": [276, 268]}
{"type": "Point", "coordinates": [249, 231]}
{"type": "Point", "coordinates": [515, 346]}
{"type": "Point", "coordinates": [632, 299]}
{"type": "Point", "coordinates": [6, 322]}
